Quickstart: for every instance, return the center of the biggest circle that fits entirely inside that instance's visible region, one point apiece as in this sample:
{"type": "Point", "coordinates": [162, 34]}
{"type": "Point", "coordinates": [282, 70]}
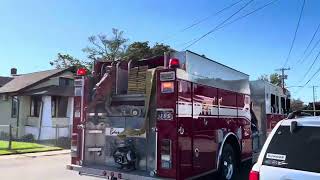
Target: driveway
{"type": "Point", "coordinates": [53, 168]}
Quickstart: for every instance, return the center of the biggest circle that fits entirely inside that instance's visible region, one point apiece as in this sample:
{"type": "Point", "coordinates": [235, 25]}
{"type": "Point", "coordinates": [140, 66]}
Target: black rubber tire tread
{"type": "Point", "coordinates": [226, 150]}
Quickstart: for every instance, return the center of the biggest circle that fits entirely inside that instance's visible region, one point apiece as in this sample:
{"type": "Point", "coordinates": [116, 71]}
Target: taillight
{"type": "Point", "coordinates": [254, 175]}
{"type": "Point", "coordinates": [174, 63]}
{"type": "Point", "coordinates": [167, 87]}
{"type": "Point", "coordinates": [82, 72]}
{"type": "Point", "coordinates": [74, 145]}
{"type": "Point", "coordinates": [166, 156]}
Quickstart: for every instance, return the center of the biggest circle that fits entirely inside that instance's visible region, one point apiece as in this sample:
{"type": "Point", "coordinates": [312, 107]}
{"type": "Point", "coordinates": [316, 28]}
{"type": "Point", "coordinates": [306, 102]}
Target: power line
{"type": "Point", "coordinates": [311, 51]}
{"type": "Point", "coordinates": [310, 67]}
{"type": "Point", "coordinates": [243, 16]}
{"type": "Point", "coordinates": [199, 21]}
{"type": "Point", "coordinates": [220, 24]}
{"type": "Point", "coordinates": [295, 34]}
{"type": "Point", "coordinates": [313, 36]}
{"type": "Point", "coordinates": [212, 15]}
{"type": "Point", "coordinates": [312, 77]}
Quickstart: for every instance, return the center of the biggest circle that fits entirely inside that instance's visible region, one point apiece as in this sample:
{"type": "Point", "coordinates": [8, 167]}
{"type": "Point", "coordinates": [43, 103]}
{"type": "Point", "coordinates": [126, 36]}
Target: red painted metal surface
{"type": "Point", "coordinates": [245, 124]}
{"type": "Point", "coordinates": [167, 129]}
{"type": "Point", "coordinates": [273, 119]}
{"type": "Point", "coordinates": [205, 120]}
{"type": "Point", "coordinates": [185, 121]}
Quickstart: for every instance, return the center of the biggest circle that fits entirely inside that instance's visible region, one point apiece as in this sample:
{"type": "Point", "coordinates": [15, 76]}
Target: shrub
{"type": "Point", "coordinates": [27, 138]}
{"type": "Point", "coordinates": [4, 136]}
{"type": "Point", "coordinates": [64, 142]}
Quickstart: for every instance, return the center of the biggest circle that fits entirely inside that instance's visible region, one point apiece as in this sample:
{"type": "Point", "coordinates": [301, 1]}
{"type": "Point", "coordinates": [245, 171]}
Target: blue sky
{"type": "Point", "coordinates": [33, 32]}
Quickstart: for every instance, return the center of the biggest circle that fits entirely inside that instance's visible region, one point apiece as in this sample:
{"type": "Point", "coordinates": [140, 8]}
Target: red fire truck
{"type": "Point", "coordinates": [178, 116]}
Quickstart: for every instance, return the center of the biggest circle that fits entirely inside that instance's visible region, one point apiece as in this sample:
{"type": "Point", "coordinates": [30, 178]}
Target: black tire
{"type": "Point", "coordinates": [228, 163]}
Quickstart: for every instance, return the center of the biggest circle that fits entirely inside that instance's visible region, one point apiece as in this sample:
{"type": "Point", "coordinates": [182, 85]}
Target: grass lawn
{"type": "Point", "coordinates": [24, 147]}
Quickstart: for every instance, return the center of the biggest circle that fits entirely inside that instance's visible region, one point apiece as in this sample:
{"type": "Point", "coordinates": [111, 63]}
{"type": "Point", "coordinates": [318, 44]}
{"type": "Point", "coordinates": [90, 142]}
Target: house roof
{"type": "Point", "coordinates": [51, 91]}
{"type": "Point", "coordinates": [23, 81]}
{"type": "Point", "coordinates": [4, 80]}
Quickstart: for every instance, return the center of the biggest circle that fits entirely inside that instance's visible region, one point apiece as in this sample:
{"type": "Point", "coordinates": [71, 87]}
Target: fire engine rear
{"type": "Point", "coordinates": [178, 116]}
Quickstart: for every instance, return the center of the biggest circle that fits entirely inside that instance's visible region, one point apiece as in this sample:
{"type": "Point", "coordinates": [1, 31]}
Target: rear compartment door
{"type": "Point", "coordinates": [185, 123]}
{"type": "Point", "coordinates": [205, 119]}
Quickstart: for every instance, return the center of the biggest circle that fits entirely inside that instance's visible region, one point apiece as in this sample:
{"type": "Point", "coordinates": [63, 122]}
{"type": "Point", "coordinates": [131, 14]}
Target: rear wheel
{"type": "Point", "coordinates": [228, 163]}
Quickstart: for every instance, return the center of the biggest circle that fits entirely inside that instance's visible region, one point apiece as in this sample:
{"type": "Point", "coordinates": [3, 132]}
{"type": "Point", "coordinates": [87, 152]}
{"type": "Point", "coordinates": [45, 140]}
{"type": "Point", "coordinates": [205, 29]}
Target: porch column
{"type": "Point", "coordinates": [47, 131]}
{"type": "Point", "coordinates": [70, 110]}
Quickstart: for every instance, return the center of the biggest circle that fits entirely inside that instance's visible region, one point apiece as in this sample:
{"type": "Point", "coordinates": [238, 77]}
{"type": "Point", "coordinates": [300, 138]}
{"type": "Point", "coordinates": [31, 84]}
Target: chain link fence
{"type": "Point", "coordinates": [58, 136]}
{"type": "Point", "coordinates": [5, 138]}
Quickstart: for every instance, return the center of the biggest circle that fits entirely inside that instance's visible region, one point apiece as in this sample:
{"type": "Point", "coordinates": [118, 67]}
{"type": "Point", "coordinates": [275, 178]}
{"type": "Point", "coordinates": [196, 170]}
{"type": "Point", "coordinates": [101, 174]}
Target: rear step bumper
{"type": "Point", "coordinates": [109, 174]}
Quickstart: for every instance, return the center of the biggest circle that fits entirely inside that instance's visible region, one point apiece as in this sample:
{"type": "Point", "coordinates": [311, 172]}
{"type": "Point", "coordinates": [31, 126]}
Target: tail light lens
{"type": "Point", "coordinates": [82, 72]}
{"type": "Point", "coordinates": [166, 156]}
{"type": "Point", "coordinates": [167, 87]}
{"type": "Point", "coordinates": [254, 175]}
{"type": "Point", "coordinates": [174, 63]}
{"type": "Point", "coordinates": [74, 145]}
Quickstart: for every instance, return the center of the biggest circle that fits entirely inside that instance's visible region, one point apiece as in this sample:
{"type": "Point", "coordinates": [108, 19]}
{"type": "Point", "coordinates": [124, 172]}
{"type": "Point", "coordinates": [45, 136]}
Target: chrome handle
{"type": "Point", "coordinates": [181, 130]}
{"type": "Point", "coordinates": [205, 122]}
{"type": "Point", "coordinates": [220, 101]}
{"type": "Point", "coordinates": [196, 152]}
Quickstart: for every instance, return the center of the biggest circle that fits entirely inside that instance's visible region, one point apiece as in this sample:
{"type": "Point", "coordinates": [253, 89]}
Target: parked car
{"type": "Point", "coordinates": [291, 151]}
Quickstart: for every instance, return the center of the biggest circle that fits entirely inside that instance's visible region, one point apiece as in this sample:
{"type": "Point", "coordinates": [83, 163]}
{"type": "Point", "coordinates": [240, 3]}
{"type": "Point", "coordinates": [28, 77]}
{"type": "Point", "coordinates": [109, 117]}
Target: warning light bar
{"type": "Point", "coordinates": [82, 72]}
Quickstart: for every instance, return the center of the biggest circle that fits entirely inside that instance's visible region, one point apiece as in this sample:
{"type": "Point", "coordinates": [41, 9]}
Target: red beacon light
{"type": "Point", "coordinates": [174, 63]}
{"type": "Point", "coordinates": [82, 72]}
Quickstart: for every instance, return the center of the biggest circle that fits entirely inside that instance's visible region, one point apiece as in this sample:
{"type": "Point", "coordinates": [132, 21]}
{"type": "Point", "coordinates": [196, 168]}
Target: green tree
{"type": "Point", "coordinates": [107, 49]}
{"type": "Point", "coordinates": [66, 60]}
{"type": "Point", "coordinates": [274, 78]}
{"type": "Point", "coordinates": [296, 104]}
{"type": "Point", "coordinates": [138, 50]}
{"type": "Point", "coordinates": [110, 48]}
{"type": "Point", "coordinates": [159, 49]}
{"type": "Point", "coordinates": [100, 47]}
{"type": "Point", "coordinates": [142, 50]}
{"type": "Point", "coordinates": [264, 77]}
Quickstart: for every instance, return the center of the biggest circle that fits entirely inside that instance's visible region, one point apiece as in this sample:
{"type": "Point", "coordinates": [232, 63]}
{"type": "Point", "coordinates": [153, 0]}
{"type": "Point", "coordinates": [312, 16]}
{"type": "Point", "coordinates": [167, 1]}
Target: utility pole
{"type": "Point", "coordinates": [283, 76]}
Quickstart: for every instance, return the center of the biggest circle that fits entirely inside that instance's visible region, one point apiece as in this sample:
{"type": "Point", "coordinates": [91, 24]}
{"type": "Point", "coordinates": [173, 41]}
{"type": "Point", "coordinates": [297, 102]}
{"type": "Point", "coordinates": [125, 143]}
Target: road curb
{"type": "Point", "coordinates": [33, 155]}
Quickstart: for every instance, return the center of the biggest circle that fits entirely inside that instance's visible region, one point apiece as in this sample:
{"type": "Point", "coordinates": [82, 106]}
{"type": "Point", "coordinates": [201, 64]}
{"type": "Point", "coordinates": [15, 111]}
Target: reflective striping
{"type": "Point", "coordinates": [184, 109]}
{"type": "Point", "coordinates": [244, 113]}
{"type": "Point", "coordinates": [228, 112]}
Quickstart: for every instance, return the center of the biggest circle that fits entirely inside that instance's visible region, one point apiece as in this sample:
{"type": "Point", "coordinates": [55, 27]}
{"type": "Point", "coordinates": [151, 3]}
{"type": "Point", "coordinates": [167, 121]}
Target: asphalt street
{"type": "Point", "coordinates": [53, 168]}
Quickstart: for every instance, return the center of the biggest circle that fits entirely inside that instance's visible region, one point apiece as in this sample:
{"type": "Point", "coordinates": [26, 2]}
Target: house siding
{"type": "Point", "coordinates": [5, 113]}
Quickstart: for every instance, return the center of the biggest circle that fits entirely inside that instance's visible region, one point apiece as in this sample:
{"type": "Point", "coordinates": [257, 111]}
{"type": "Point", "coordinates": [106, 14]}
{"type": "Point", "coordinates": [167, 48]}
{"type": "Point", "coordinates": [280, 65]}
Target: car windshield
{"type": "Point", "coordinates": [298, 150]}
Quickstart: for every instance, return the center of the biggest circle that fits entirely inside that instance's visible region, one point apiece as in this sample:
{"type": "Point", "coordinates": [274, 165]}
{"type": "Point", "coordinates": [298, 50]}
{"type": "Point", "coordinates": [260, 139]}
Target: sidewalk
{"type": "Point", "coordinates": [32, 155]}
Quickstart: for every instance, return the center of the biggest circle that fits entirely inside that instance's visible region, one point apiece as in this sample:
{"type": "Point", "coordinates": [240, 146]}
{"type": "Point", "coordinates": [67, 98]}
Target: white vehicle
{"type": "Point", "coordinates": [291, 151]}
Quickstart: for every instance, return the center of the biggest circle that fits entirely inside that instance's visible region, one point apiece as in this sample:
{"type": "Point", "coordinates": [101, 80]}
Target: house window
{"type": "Point", "coordinates": [65, 81]}
{"type": "Point", "coordinates": [59, 106]}
{"type": "Point", "coordinates": [14, 107]}
{"type": "Point", "coordinates": [273, 103]}
{"type": "Point", "coordinates": [35, 106]}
